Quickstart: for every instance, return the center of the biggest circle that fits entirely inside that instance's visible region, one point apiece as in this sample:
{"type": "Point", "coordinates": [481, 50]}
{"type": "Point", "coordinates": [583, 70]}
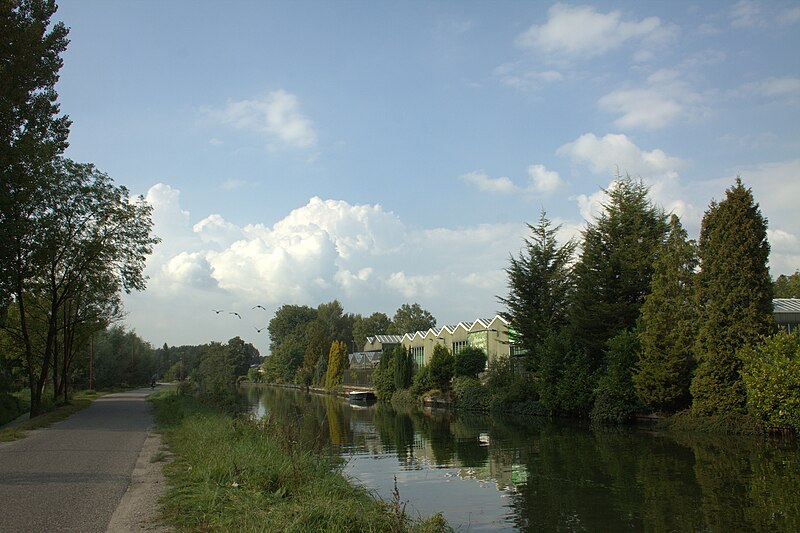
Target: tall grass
{"type": "Point", "coordinates": [240, 474]}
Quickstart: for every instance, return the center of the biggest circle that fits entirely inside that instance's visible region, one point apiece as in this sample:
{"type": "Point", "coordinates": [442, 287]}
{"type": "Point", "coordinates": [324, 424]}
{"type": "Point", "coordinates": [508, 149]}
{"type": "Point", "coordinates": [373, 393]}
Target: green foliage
{"type": "Point", "coordinates": [615, 267]}
{"type": "Point", "coordinates": [10, 408]}
{"type": "Point", "coordinates": [383, 377]}
{"type": "Point", "coordinates": [771, 376]}
{"type": "Point", "coordinates": [337, 362]}
{"type": "Point", "coordinates": [422, 381]}
{"type": "Point", "coordinates": [540, 282]}
{"type": "Point", "coordinates": [470, 395]}
{"type": "Point", "coordinates": [403, 367]}
{"type": "Point", "coordinates": [566, 379]}
{"type": "Point", "coordinates": [470, 362]}
{"type": "Point", "coordinates": [616, 400]}
{"type": "Point", "coordinates": [441, 367]}
{"type": "Point", "coordinates": [215, 376]}
{"type": "Point", "coordinates": [668, 326]}
{"type": "Point", "coordinates": [787, 286]}
{"type": "Point", "coordinates": [411, 318]}
{"type": "Point", "coordinates": [734, 299]}
{"type": "Point", "coordinates": [375, 324]}
{"type": "Point", "coordinates": [290, 322]}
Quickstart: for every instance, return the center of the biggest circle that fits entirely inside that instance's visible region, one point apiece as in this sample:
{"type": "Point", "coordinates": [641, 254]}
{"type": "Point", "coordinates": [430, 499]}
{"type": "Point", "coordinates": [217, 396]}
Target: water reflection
{"type": "Point", "coordinates": [489, 474]}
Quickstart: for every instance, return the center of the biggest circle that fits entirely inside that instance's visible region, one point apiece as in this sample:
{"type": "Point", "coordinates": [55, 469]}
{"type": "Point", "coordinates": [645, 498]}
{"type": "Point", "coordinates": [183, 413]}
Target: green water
{"type": "Point", "coordinates": [488, 473]}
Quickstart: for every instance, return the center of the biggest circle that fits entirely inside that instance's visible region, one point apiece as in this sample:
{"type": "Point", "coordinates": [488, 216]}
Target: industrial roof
{"type": "Point", "coordinates": [786, 305]}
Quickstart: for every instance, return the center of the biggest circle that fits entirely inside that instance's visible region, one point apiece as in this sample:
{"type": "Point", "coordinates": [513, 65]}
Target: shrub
{"type": "Point", "coordinates": [441, 367]}
{"type": "Point", "coordinates": [9, 408]}
{"type": "Point", "coordinates": [771, 374]}
{"type": "Point", "coordinates": [422, 382]}
{"type": "Point", "coordinates": [470, 361]}
{"type": "Point", "coordinates": [616, 401]}
{"type": "Point", "coordinates": [470, 395]}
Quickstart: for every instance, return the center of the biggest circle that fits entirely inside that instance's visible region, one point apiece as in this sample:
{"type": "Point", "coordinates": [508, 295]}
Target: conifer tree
{"type": "Point", "coordinates": [337, 362]}
{"type": "Point", "coordinates": [667, 327]}
{"type": "Point", "coordinates": [734, 294]}
{"type": "Point", "coordinates": [539, 285]}
{"type": "Point", "coordinates": [615, 267]}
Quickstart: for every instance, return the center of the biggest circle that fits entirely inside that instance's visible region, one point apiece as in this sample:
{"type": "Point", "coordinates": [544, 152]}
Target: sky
{"type": "Point", "coordinates": [382, 152]}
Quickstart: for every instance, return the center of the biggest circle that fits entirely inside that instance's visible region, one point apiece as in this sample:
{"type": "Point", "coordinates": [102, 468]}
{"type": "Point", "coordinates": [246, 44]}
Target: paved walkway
{"type": "Point", "coordinates": [73, 475]}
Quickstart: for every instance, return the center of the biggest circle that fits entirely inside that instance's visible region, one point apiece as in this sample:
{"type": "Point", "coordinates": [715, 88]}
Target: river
{"type": "Point", "coordinates": [486, 473]}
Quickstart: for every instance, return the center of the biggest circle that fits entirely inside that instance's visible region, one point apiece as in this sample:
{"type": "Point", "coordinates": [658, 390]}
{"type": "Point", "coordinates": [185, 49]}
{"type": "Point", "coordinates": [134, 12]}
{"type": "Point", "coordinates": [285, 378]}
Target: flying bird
{"type": "Point", "coordinates": [260, 307]}
{"type": "Point", "coordinates": [218, 311]}
{"type": "Point", "coordinates": [235, 313]}
{"type": "Point", "coordinates": [259, 329]}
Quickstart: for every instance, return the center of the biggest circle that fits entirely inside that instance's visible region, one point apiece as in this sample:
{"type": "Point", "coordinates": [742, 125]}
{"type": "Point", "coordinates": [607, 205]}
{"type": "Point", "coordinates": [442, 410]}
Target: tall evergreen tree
{"type": "Point", "coordinates": [337, 362]}
{"type": "Point", "coordinates": [668, 325]}
{"type": "Point", "coordinates": [615, 267]}
{"type": "Point", "coordinates": [734, 294]}
{"type": "Point", "coordinates": [539, 285]}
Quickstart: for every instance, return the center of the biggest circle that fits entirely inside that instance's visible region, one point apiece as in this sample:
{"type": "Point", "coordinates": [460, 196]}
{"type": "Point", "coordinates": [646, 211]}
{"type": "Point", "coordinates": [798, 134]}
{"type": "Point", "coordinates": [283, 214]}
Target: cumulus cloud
{"type": "Point", "coordinates": [327, 249]}
{"type": "Point", "coordinates": [276, 115]}
{"type": "Point", "coordinates": [583, 32]}
{"type": "Point", "coordinates": [664, 99]}
{"type": "Point", "coordinates": [484, 182]}
{"type": "Point", "coordinates": [542, 182]}
{"type": "Point", "coordinates": [617, 153]}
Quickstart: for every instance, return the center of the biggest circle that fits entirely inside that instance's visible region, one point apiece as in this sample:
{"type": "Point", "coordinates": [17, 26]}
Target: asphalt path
{"type": "Point", "coordinates": [72, 475]}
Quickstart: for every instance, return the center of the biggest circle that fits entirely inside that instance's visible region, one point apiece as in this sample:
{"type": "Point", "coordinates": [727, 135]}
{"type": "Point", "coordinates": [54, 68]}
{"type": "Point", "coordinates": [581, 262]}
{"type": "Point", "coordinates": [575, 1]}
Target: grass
{"type": "Point", "coordinates": [55, 413]}
{"type": "Point", "coordinates": [238, 474]}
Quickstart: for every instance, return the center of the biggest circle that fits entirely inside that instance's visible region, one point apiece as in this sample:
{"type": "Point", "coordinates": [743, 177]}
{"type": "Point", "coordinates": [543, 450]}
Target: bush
{"type": "Point", "coordinates": [383, 377]}
{"type": "Point", "coordinates": [470, 395]}
{"type": "Point", "coordinates": [422, 382]}
{"type": "Point", "coordinates": [441, 367]}
{"type": "Point", "coordinates": [616, 401]}
{"type": "Point", "coordinates": [519, 391]}
{"type": "Point", "coordinates": [470, 361]}
{"type": "Point", "coordinates": [9, 408]}
{"type": "Point", "coordinates": [771, 375]}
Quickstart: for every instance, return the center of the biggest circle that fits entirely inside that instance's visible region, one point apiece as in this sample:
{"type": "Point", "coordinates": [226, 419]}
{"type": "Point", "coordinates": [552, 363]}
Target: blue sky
{"type": "Point", "coordinates": [390, 152]}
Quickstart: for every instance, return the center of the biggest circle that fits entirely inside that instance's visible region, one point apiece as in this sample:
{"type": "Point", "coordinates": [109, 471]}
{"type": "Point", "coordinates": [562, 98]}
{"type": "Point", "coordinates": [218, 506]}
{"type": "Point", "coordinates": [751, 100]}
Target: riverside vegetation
{"type": "Point", "coordinates": [237, 473]}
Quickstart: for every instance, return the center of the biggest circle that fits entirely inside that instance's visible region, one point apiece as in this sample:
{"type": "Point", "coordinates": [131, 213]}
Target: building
{"type": "Point", "coordinates": [489, 334]}
{"type": "Point", "coordinates": [787, 313]}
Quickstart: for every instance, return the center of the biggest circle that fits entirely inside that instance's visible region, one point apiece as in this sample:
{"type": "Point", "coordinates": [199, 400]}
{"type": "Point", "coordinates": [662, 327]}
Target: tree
{"type": "Point", "coordinates": [668, 325]}
{"type": "Point", "coordinates": [616, 400]}
{"type": "Point", "coordinates": [788, 286]}
{"type": "Point", "coordinates": [87, 241]}
{"type": "Point", "coordinates": [441, 367]}
{"type": "Point", "coordinates": [290, 321]}
{"type": "Point", "coordinates": [411, 318]}
{"type": "Point", "coordinates": [734, 294]}
{"type": "Point", "coordinates": [615, 266]}
{"type": "Point", "coordinates": [469, 361]}
{"type": "Point", "coordinates": [403, 367]}
{"type": "Point", "coordinates": [337, 362]}
{"type": "Point", "coordinates": [242, 356]}
{"type": "Point", "coordinates": [540, 282]}
{"type": "Point", "coordinates": [375, 324]}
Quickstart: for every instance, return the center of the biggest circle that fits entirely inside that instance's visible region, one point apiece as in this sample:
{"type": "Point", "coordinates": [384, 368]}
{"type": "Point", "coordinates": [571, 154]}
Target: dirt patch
{"type": "Point", "coordinates": [139, 508]}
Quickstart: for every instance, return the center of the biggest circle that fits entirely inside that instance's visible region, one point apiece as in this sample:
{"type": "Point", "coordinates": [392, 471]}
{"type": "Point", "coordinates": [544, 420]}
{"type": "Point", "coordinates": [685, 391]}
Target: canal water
{"type": "Point", "coordinates": [486, 473]}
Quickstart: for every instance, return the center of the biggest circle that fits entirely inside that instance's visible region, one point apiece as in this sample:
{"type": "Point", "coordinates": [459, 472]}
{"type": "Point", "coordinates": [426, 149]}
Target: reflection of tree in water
{"type": "Point", "coordinates": [396, 431]}
{"type": "Point", "coordinates": [338, 424]}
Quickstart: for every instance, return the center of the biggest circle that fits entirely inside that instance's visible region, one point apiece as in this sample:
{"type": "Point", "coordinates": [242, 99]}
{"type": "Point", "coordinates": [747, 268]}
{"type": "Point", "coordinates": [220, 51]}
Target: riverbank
{"type": "Point", "coordinates": [236, 474]}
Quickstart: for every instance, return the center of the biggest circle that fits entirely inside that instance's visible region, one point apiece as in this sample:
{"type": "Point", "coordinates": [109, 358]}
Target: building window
{"type": "Point", "coordinates": [458, 346]}
{"type": "Point", "coordinates": [418, 354]}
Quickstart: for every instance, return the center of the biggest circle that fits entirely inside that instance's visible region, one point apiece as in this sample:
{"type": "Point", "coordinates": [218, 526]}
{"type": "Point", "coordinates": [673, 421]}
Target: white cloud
{"type": "Point", "coordinates": [582, 32]}
{"type": "Point", "coordinates": [664, 99]}
{"type": "Point", "coordinates": [746, 14]}
{"type": "Point", "coordinates": [789, 16]}
{"type": "Point", "coordinates": [616, 153]}
{"type": "Point", "coordinates": [516, 76]}
{"type": "Point", "coordinates": [786, 87]}
{"type": "Point", "coordinates": [276, 115]}
{"type": "Point", "coordinates": [483, 182]}
{"type": "Point", "coordinates": [542, 182]}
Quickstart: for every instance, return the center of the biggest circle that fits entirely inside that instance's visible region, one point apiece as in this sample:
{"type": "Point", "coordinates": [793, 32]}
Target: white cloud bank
{"type": "Point", "coordinates": [362, 255]}
{"type": "Point", "coordinates": [541, 182]}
